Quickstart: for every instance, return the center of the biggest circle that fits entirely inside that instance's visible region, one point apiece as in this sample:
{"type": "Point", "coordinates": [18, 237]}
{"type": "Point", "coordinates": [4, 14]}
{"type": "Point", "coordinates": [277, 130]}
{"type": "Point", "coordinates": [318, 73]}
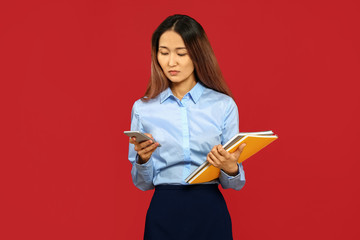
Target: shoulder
{"type": "Point", "coordinates": [141, 104]}
{"type": "Point", "coordinates": [219, 98]}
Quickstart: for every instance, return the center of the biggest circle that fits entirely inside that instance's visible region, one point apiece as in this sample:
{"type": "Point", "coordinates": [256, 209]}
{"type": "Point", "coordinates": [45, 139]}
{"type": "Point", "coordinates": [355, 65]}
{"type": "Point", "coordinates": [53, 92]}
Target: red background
{"type": "Point", "coordinates": [71, 70]}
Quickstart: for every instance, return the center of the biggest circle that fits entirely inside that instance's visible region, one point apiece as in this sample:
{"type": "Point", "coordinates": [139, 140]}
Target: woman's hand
{"type": "Point", "coordinates": [144, 149]}
{"type": "Point", "coordinates": [220, 158]}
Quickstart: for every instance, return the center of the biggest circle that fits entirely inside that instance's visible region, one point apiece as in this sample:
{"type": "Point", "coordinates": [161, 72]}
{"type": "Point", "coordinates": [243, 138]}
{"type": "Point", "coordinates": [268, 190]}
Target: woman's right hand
{"type": "Point", "coordinates": [144, 149]}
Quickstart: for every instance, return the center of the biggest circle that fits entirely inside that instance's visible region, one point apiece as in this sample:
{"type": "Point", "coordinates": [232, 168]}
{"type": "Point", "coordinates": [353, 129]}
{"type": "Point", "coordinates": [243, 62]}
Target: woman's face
{"type": "Point", "coordinates": [174, 58]}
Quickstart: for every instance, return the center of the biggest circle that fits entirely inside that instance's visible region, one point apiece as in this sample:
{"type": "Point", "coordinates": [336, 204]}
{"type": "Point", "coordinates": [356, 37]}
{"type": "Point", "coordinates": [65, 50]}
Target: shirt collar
{"type": "Point", "coordinates": [165, 94]}
{"type": "Point", "coordinates": [194, 93]}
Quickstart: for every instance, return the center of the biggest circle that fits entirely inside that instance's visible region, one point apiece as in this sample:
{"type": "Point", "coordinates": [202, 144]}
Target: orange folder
{"type": "Point", "coordinates": [254, 143]}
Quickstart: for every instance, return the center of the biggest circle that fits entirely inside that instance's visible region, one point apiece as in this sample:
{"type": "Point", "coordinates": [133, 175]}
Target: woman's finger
{"type": "Point", "coordinates": [242, 146]}
{"type": "Point", "coordinates": [213, 158]}
{"type": "Point", "coordinates": [143, 145]}
{"type": "Point", "coordinates": [132, 140]}
{"type": "Point", "coordinates": [149, 149]}
{"type": "Point", "coordinates": [215, 152]}
{"type": "Point", "coordinates": [146, 153]}
{"type": "Point", "coordinates": [211, 161]}
{"type": "Point", "coordinates": [223, 152]}
{"type": "Point", "coordinates": [240, 149]}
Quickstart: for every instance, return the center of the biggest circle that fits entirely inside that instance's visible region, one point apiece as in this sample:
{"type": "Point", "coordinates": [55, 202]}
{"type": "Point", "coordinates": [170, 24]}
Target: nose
{"type": "Point", "coordinates": [172, 60]}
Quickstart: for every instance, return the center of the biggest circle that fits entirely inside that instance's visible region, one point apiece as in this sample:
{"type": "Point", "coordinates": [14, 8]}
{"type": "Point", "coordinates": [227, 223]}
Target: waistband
{"type": "Point", "coordinates": [186, 187]}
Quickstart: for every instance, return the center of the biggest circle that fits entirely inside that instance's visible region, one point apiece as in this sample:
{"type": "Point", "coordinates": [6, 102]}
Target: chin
{"type": "Point", "coordinates": [174, 79]}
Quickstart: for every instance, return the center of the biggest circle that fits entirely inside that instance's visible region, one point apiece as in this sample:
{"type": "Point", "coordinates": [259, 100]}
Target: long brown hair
{"type": "Point", "coordinates": [207, 70]}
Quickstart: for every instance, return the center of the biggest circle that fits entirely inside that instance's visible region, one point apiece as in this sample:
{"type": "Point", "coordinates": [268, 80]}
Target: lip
{"type": "Point", "coordinates": [173, 72]}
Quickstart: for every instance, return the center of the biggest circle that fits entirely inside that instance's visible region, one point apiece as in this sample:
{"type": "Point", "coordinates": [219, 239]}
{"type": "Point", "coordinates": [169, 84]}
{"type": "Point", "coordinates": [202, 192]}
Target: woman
{"type": "Point", "coordinates": [188, 109]}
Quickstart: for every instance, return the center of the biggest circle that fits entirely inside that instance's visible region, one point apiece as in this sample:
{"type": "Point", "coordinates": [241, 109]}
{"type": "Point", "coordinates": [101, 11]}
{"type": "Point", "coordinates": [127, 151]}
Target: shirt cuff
{"type": "Point", "coordinates": [234, 182]}
{"type": "Point", "coordinates": [142, 166]}
{"type": "Point", "coordinates": [144, 174]}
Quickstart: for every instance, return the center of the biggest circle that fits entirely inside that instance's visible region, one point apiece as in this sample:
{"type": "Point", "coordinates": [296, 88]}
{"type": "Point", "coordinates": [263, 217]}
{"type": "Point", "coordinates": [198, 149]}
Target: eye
{"type": "Point", "coordinates": [182, 54]}
{"type": "Point", "coordinates": [163, 53]}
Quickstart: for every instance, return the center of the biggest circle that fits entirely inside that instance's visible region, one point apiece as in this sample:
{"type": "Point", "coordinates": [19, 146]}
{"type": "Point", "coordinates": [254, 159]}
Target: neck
{"type": "Point", "coordinates": [180, 89]}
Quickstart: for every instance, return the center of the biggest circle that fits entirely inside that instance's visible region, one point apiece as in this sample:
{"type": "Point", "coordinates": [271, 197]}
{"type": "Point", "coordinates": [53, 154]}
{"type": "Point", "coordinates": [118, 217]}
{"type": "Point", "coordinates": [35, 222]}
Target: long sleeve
{"type": "Point", "coordinates": [234, 182]}
{"type": "Point", "coordinates": [142, 174]}
{"type": "Point", "coordinates": [187, 130]}
{"type": "Point", "coordinates": [229, 129]}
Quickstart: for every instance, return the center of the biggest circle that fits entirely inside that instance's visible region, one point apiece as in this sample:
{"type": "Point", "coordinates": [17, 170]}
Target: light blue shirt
{"type": "Point", "coordinates": [187, 130]}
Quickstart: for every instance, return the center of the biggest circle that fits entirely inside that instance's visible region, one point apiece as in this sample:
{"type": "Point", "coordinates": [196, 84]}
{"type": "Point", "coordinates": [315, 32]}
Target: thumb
{"type": "Point", "coordinates": [241, 147]}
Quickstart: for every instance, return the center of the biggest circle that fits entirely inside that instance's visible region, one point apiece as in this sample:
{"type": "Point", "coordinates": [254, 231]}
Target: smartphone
{"type": "Point", "coordinates": [140, 137]}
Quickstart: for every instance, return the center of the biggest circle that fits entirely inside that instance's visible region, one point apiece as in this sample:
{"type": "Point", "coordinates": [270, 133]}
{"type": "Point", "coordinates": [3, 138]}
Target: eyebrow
{"type": "Point", "coordinates": [175, 48]}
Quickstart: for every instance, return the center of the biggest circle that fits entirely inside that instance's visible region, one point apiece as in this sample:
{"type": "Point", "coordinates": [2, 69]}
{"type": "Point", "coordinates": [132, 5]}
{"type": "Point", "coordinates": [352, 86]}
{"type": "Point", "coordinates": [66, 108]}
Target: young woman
{"type": "Point", "coordinates": [188, 109]}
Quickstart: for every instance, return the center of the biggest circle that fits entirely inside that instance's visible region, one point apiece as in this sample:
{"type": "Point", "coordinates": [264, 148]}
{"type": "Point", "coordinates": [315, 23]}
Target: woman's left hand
{"type": "Point", "coordinates": [220, 158]}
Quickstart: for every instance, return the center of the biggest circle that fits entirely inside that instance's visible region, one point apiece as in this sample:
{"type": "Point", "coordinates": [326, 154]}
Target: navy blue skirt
{"type": "Point", "coordinates": [188, 212]}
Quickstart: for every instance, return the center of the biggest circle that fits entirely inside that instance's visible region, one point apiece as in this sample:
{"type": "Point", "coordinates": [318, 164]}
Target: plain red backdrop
{"type": "Point", "coordinates": [71, 70]}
